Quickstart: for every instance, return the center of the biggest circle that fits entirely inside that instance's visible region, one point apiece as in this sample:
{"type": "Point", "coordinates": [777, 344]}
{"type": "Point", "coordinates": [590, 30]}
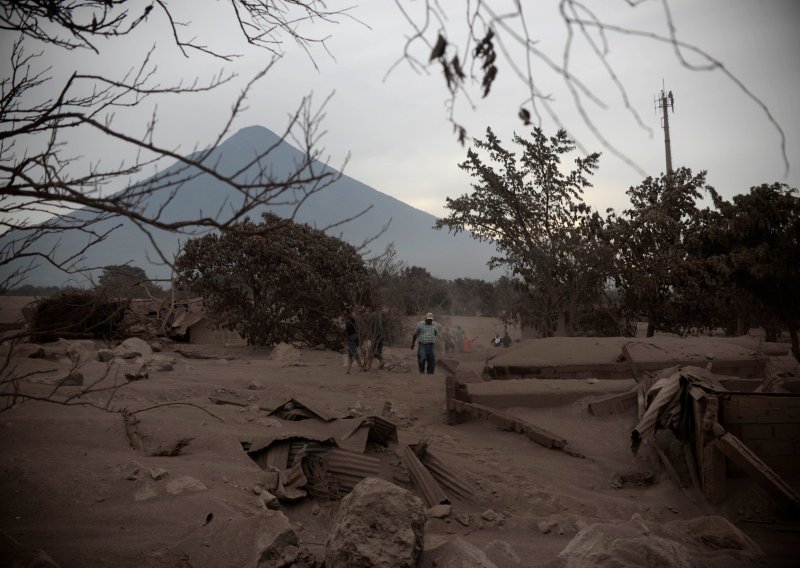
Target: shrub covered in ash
{"type": "Point", "coordinates": [77, 314]}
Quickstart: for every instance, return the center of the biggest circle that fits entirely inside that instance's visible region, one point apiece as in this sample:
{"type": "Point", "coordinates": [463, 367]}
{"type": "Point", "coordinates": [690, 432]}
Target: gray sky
{"type": "Point", "coordinates": [397, 132]}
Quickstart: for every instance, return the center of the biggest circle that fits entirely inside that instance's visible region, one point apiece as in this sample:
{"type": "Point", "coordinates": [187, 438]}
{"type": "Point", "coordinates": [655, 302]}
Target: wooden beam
{"type": "Point", "coordinates": [765, 476]}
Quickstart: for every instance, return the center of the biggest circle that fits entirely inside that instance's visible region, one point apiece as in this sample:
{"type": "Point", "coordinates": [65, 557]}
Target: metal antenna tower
{"type": "Point", "coordinates": [663, 102]}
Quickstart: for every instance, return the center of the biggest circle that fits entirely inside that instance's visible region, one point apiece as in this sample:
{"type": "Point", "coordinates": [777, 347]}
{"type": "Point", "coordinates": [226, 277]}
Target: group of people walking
{"type": "Point", "coordinates": [366, 336]}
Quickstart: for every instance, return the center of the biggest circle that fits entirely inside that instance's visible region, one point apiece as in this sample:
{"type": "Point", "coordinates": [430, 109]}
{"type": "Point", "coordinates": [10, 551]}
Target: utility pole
{"type": "Point", "coordinates": [663, 102]}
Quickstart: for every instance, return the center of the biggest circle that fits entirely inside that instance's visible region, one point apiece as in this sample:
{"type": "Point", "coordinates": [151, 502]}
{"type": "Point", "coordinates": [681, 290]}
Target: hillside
{"type": "Point", "coordinates": [410, 229]}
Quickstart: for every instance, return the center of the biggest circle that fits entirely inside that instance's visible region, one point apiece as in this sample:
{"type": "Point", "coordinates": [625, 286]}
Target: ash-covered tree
{"type": "Point", "coordinates": [126, 281]}
{"type": "Point", "coordinates": [655, 272]}
{"type": "Point", "coordinates": [535, 215]}
{"type": "Point", "coordinates": [275, 281]}
{"type": "Point", "coordinates": [50, 186]}
{"type": "Point", "coordinates": [755, 245]}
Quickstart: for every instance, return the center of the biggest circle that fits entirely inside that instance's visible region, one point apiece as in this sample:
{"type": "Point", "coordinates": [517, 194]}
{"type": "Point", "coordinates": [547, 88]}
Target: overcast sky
{"type": "Point", "coordinates": [396, 130]}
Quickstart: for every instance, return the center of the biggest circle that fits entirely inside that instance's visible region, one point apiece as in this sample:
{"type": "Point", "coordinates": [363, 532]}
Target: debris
{"type": "Point", "coordinates": [288, 355]}
{"type": "Point", "coordinates": [765, 476]}
{"type": "Point", "coordinates": [145, 493]}
{"type": "Point", "coordinates": [134, 437]}
{"type": "Point", "coordinates": [171, 449]}
{"type": "Point", "coordinates": [269, 500]}
{"type": "Point", "coordinates": [451, 482]}
{"type": "Point", "coordinates": [132, 348]}
{"type": "Point", "coordinates": [502, 554]}
{"type": "Point", "coordinates": [546, 526]}
{"type": "Point", "coordinates": [508, 422]}
{"type": "Point", "coordinates": [290, 482]}
{"type": "Point", "coordinates": [185, 483]}
{"type": "Point", "coordinates": [140, 376]}
{"type": "Point", "coordinates": [105, 355]}
{"type": "Point", "coordinates": [378, 524]}
{"type": "Point", "coordinates": [678, 544]}
{"type": "Point", "coordinates": [614, 403]}
{"type": "Point", "coordinates": [639, 478]}
{"type": "Point", "coordinates": [74, 379]}
{"type": "Point", "coordinates": [294, 409]}
{"type": "Point", "coordinates": [455, 553]}
{"type": "Point", "coordinates": [439, 511]}
{"type": "Point", "coordinates": [275, 542]}
{"type": "Point", "coordinates": [423, 480]}
{"type": "Point", "coordinates": [158, 473]}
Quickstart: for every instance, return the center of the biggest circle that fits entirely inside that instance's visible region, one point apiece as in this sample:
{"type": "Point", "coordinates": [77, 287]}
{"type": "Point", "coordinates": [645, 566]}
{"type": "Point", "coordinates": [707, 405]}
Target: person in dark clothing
{"type": "Point", "coordinates": [351, 331]}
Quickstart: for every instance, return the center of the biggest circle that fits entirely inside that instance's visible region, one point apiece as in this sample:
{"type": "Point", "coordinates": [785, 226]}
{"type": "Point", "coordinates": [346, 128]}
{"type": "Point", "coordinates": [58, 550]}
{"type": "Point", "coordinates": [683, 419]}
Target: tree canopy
{"type": "Point", "coordinates": [534, 212]}
{"type": "Point", "coordinates": [275, 281]}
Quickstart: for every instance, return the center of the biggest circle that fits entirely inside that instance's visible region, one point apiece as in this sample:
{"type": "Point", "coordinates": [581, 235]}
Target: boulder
{"type": "Point", "coordinates": [32, 350]}
{"type": "Point", "coordinates": [705, 541]}
{"type": "Point", "coordinates": [378, 524]}
{"type": "Point", "coordinates": [455, 553]}
{"type": "Point", "coordinates": [132, 348]}
{"type": "Point", "coordinates": [501, 554]}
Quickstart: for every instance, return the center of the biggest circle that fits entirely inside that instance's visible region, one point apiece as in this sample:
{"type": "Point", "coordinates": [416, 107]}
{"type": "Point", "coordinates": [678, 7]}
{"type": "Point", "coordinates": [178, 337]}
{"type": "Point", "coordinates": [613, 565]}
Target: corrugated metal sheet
{"type": "Point", "coordinates": [423, 480]}
{"type": "Point", "coordinates": [294, 404]}
{"type": "Point", "coordinates": [452, 483]}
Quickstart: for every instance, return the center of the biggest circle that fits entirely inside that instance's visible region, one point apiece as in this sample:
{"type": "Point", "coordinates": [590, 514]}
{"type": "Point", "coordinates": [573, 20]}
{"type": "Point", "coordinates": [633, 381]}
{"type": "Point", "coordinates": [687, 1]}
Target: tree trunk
{"type": "Point", "coordinates": [651, 328]}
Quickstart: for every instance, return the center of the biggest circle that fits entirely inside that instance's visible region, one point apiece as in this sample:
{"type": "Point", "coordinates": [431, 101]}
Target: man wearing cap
{"type": "Point", "coordinates": [425, 336]}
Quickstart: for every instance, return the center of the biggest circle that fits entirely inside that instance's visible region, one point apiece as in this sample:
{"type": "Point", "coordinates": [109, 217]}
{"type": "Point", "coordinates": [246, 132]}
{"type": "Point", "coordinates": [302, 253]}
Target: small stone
{"type": "Point", "coordinates": [185, 483]}
{"type": "Point", "coordinates": [74, 379]}
{"type": "Point", "coordinates": [546, 526]}
{"type": "Point", "coordinates": [158, 473]}
{"type": "Point", "coordinates": [104, 355]}
{"type": "Point", "coordinates": [489, 515]}
{"type": "Point", "coordinates": [439, 511]}
{"type": "Point", "coordinates": [269, 500]}
{"type": "Point", "coordinates": [315, 509]}
{"type": "Point", "coordinates": [593, 381]}
{"type": "Point", "coordinates": [166, 367]}
{"type": "Point", "coordinates": [145, 493]}
{"type": "Point", "coordinates": [254, 385]}
{"type": "Point", "coordinates": [463, 519]}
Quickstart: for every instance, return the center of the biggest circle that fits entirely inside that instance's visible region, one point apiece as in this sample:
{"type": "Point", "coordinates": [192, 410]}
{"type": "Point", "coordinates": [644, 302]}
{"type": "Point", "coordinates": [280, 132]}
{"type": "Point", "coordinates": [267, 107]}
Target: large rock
{"type": "Point", "coordinates": [455, 553]}
{"type": "Point", "coordinates": [502, 554]}
{"type": "Point", "coordinates": [378, 525]}
{"type": "Point", "coordinates": [132, 348]}
{"type": "Point", "coordinates": [706, 541]}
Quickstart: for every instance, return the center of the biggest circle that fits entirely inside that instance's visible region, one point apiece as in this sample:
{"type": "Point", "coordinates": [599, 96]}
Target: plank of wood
{"type": "Point", "coordinates": [765, 476]}
{"type": "Point", "coordinates": [511, 423]}
{"type": "Point", "coordinates": [614, 403]}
